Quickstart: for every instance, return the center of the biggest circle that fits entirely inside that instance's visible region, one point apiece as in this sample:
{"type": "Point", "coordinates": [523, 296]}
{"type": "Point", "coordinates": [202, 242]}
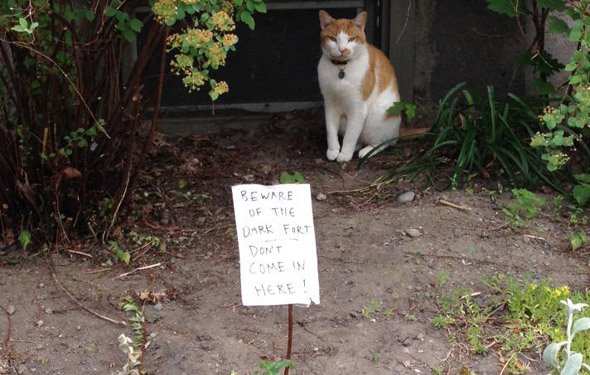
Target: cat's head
{"type": "Point", "coordinates": [341, 38]}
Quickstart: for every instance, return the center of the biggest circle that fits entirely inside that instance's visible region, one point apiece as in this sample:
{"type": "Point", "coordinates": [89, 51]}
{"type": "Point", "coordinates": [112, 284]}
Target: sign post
{"type": "Point", "coordinates": [276, 238]}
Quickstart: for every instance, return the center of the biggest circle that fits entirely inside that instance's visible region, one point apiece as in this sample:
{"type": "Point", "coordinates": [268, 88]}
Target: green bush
{"type": "Point", "coordinates": [70, 109]}
{"type": "Point", "coordinates": [483, 137]}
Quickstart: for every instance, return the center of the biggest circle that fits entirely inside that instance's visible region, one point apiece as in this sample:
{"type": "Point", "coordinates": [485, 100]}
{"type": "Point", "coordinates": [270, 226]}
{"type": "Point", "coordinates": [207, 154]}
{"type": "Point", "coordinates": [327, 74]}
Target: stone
{"type": "Point", "coordinates": [158, 306]}
{"type": "Point", "coordinates": [321, 197]}
{"type": "Point", "coordinates": [413, 232]}
{"type": "Point", "coordinates": [10, 309]}
{"type": "Point", "coordinates": [406, 197]}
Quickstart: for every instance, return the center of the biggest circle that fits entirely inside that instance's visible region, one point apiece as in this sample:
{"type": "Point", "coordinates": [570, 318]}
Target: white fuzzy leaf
{"type": "Point", "coordinates": [573, 365]}
{"type": "Point", "coordinates": [550, 354]}
{"type": "Point", "coordinates": [581, 324]}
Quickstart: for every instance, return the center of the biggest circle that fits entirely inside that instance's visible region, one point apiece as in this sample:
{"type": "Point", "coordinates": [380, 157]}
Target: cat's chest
{"type": "Point", "coordinates": [341, 78]}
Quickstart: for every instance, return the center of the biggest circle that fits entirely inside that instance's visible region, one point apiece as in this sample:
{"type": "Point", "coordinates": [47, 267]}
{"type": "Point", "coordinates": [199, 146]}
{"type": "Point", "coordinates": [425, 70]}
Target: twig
{"type": "Point", "coordinates": [535, 237]}
{"type": "Point", "coordinates": [7, 338]}
{"type": "Point", "coordinates": [79, 253]}
{"type": "Point", "coordinates": [98, 271]}
{"type": "Point", "coordinates": [73, 299]}
{"type": "Point", "coordinates": [454, 205]}
{"type": "Point", "coordinates": [359, 190]}
{"type": "Point", "coordinates": [138, 269]}
{"type": "Point", "coordinates": [507, 363]}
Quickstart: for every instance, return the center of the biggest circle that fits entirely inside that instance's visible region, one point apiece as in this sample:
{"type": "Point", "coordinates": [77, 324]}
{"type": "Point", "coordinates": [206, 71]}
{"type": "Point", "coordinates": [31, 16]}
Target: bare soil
{"type": "Point", "coordinates": [365, 252]}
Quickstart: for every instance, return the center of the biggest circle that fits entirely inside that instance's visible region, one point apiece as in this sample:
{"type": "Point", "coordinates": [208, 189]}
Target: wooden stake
{"type": "Point", "coordinates": [289, 338]}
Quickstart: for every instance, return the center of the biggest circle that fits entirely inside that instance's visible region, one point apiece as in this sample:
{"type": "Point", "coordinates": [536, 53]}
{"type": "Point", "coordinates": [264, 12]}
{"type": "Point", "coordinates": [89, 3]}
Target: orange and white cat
{"type": "Point", "coordinates": [358, 84]}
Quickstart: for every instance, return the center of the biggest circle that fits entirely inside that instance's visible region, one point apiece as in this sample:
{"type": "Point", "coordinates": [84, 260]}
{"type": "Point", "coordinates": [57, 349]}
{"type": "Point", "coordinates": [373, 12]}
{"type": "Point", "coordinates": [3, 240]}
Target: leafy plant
{"type": "Point", "coordinates": [274, 367]}
{"type": "Point", "coordinates": [581, 191]}
{"type": "Point", "coordinates": [371, 308]}
{"type": "Point", "coordinates": [295, 178]}
{"type": "Point", "coordinates": [24, 238]}
{"type": "Point", "coordinates": [71, 122]}
{"type": "Point", "coordinates": [442, 321]}
{"type": "Point", "coordinates": [525, 207]}
{"type": "Point", "coordinates": [203, 47]}
{"type": "Point", "coordinates": [579, 239]}
{"type": "Point", "coordinates": [518, 316]}
{"type": "Point", "coordinates": [573, 361]}
{"type": "Point", "coordinates": [482, 137]}
{"type": "Point", "coordinates": [120, 253]}
{"type": "Point", "coordinates": [399, 108]}
{"type": "Point", "coordinates": [566, 123]}
{"type": "Point", "coordinates": [134, 348]}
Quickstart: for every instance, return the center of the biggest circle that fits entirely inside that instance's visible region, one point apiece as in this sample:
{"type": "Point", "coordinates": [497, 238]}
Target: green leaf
{"type": "Point", "coordinates": [247, 18]}
{"type": "Point", "coordinates": [295, 178]}
{"type": "Point", "coordinates": [260, 7]}
{"type": "Point", "coordinates": [511, 8]}
{"type": "Point", "coordinates": [23, 22]}
{"type": "Point", "coordinates": [573, 365]}
{"type": "Point", "coordinates": [129, 35]}
{"type": "Point", "coordinates": [581, 194]}
{"type": "Point", "coordinates": [550, 354]}
{"type": "Point", "coordinates": [557, 25]}
{"type": "Point", "coordinates": [110, 11]}
{"type": "Point", "coordinates": [583, 178]}
{"type": "Point", "coordinates": [24, 238]}
{"type": "Point", "coordinates": [136, 25]}
{"type": "Point", "coordinates": [213, 95]}
{"type": "Point", "coordinates": [578, 240]}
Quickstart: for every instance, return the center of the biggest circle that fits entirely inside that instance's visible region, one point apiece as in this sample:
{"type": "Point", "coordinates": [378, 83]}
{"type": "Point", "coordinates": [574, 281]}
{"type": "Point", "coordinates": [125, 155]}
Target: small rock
{"type": "Point", "coordinates": [48, 311]}
{"type": "Point", "coordinates": [158, 306]}
{"type": "Point", "coordinates": [353, 315]}
{"type": "Point", "coordinates": [39, 323]}
{"type": "Point", "coordinates": [321, 197]}
{"type": "Point", "coordinates": [10, 309]}
{"type": "Point", "coordinates": [41, 285]}
{"type": "Point", "coordinates": [406, 197]}
{"type": "Point", "coordinates": [413, 232]}
{"type": "Point", "coordinates": [22, 369]}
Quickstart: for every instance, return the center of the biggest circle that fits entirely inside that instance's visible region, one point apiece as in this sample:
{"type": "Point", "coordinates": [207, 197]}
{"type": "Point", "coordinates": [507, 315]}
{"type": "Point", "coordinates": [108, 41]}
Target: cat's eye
{"type": "Point", "coordinates": [351, 39]}
{"type": "Point", "coordinates": [332, 38]}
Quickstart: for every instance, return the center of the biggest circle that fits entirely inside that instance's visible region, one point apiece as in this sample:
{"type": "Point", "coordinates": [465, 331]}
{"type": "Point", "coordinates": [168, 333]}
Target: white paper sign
{"type": "Point", "coordinates": [278, 260]}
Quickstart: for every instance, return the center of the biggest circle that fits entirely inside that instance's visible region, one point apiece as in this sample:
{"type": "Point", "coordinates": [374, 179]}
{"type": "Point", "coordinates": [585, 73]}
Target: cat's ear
{"type": "Point", "coordinates": [325, 19]}
{"type": "Point", "coordinates": [361, 20]}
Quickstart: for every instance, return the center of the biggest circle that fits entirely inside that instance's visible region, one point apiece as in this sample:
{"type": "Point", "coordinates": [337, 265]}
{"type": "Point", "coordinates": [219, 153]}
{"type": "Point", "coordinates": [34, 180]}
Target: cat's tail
{"type": "Point", "coordinates": [405, 133]}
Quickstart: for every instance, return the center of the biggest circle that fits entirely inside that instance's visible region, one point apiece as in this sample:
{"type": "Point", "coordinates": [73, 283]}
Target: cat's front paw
{"type": "Point", "coordinates": [344, 157]}
{"type": "Point", "coordinates": [332, 154]}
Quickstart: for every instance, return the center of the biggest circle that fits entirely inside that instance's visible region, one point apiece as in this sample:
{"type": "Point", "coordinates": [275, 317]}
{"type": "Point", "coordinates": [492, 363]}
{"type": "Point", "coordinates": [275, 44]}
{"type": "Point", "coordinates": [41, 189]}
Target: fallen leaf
{"type": "Point", "coordinates": [69, 173]}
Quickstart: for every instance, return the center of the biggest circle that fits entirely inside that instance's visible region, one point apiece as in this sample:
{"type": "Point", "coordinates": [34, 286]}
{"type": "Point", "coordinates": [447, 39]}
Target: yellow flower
{"type": "Point", "coordinates": [229, 40]}
{"type": "Point", "coordinates": [222, 21]}
{"type": "Point", "coordinates": [194, 80]}
{"type": "Point", "coordinates": [221, 88]}
{"type": "Point", "coordinates": [216, 56]}
{"type": "Point", "coordinates": [165, 10]}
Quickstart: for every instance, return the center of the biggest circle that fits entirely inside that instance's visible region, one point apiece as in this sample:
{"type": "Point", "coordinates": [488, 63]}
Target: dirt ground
{"type": "Point", "coordinates": [370, 246]}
